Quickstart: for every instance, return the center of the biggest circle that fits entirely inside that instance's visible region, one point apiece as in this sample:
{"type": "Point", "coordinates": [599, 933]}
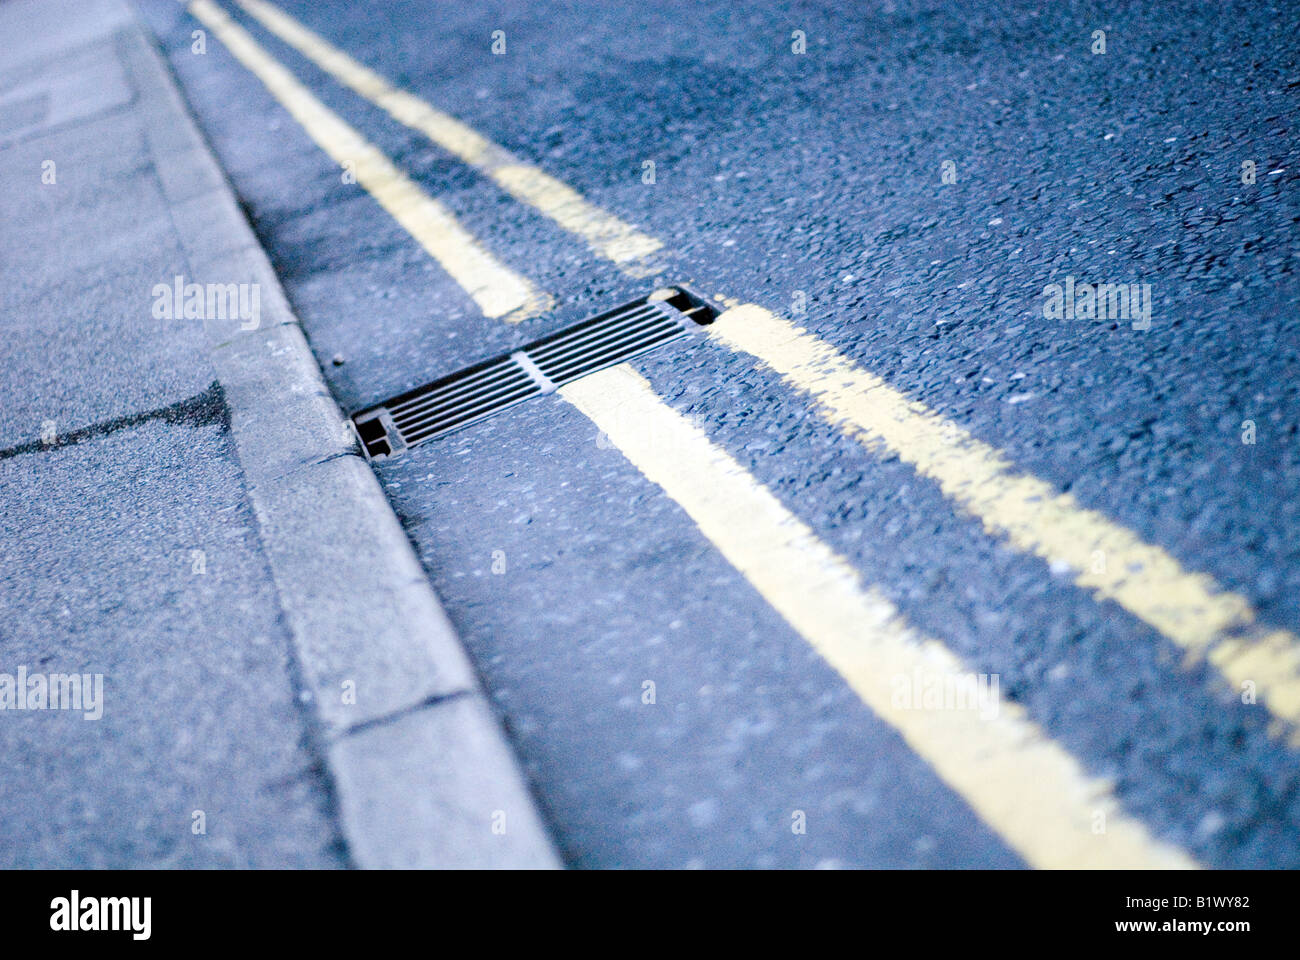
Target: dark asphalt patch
{"type": "Point", "coordinates": [205, 409]}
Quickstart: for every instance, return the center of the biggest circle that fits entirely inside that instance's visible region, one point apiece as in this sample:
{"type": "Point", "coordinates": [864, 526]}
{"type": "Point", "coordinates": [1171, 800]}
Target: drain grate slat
{"type": "Point", "coordinates": [460, 397]}
{"type": "Point", "coordinates": [467, 381]}
{"type": "Point", "coordinates": [478, 401]}
{"type": "Point", "coordinates": [465, 418]}
{"type": "Point", "coordinates": [490, 402]}
{"type": "Point", "coordinates": [597, 341]}
{"type": "Point", "coordinates": [466, 385]}
{"type": "Point", "coordinates": [632, 318]}
{"type": "Point", "coordinates": [635, 340]}
{"type": "Point", "coordinates": [487, 388]}
{"type": "Point", "coordinates": [642, 340]}
{"type": "Point", "coordinates": [591, 366]}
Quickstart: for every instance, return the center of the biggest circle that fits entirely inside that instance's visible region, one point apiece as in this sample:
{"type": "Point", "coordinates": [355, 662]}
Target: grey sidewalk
{"type": "Point", "coordinates": [185, 513]}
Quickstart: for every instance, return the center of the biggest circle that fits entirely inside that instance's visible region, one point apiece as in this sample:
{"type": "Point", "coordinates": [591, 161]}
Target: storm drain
{"type": "Point", "coordinates": [485, 389]}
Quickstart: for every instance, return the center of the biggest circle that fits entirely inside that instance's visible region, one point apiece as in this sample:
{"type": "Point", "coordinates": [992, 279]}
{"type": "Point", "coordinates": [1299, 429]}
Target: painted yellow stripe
{"type": "Point", "coordinates": [1103, 556]}
{"type": "Point", "coordinates": [607, 235]}
{"type": "Point", "coordinates": [498, 291]}
{"type": "Point", "coordinates": [1024, 785]}
{"type": "Point", "coordinates": [1189, 608]}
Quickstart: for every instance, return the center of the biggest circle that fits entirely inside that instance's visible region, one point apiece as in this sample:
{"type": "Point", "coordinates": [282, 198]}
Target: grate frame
{"type": "Point", "coordinates": [489, 387]}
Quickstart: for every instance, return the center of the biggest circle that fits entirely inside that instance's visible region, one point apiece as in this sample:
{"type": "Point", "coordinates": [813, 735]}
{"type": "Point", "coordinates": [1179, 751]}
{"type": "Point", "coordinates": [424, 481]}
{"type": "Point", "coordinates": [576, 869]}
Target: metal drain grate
{"type": "Point", "coordinates": [487, 388]}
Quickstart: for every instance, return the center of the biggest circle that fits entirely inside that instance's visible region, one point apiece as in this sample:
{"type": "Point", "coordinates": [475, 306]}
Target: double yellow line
{"type": "Point", "coordinates": [499, 292]}
{"type": "Point", "coordinates": [1023, 784]}
{"type": "Point", "coordinates": [1103, 556]}
{"type": "Point", "coordinates": [606, 235]}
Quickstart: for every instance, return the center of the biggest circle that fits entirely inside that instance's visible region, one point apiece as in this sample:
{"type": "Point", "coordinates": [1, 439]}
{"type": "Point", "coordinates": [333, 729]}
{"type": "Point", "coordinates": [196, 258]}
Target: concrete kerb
{"type": "Point", "coordinates": [423, 773]}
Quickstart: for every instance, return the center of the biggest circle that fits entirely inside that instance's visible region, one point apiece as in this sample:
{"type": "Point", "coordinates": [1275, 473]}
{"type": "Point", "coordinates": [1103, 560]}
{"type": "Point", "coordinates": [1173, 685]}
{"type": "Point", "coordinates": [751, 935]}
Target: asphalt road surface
{"type": "Point", "coordinates": [904, 189]}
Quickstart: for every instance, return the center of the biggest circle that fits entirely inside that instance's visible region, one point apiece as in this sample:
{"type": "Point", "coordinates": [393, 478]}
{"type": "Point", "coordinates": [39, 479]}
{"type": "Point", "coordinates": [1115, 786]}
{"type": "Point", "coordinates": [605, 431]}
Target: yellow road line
{"type": "Point", "coordinates": [1024, 785]}
{"type": "Point", "coordinates": [606, 234]}
{"type": "Point", "coordinates": [1103, 556]}
{"type": "Point", "coordinates": [1191, 609]}
{"type": "Point", "coordinates": [498, 291]}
